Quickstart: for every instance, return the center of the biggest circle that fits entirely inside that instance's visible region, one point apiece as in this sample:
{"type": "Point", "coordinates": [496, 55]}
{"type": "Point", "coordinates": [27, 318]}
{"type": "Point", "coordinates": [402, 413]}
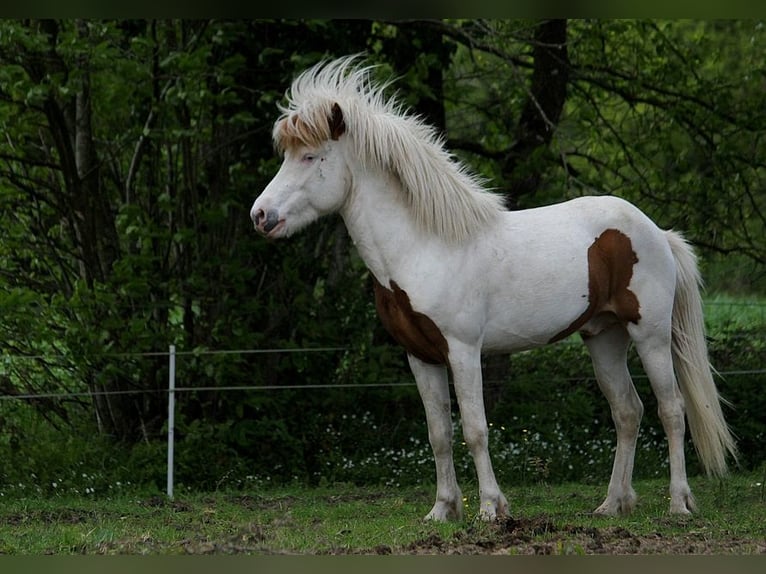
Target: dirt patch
{"type": "Point", "coordinates": [284, 503]}
{"type": "Point", "coordinates": [66, 516]}
{"type": "Point", "coordinates": [250, 540]}
{"type": "Point", "coordinates": [540, 535]}
{"type": "Point", "coordinates": [163, 502]}
{"type": "Point", "coordinates": [250, 502]}
{"type": "Point", "coordinates": [537, 535]}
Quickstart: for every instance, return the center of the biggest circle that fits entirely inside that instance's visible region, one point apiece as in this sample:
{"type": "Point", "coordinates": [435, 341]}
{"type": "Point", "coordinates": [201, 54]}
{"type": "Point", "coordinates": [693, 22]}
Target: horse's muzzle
{"type": "Point", "coordinates": [265, 222]}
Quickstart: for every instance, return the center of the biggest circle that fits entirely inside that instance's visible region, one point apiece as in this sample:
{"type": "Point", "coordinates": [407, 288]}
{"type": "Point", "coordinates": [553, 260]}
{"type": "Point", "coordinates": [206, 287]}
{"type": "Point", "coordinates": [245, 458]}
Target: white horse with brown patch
{"type": "Point", "coordinates": [457, 275]}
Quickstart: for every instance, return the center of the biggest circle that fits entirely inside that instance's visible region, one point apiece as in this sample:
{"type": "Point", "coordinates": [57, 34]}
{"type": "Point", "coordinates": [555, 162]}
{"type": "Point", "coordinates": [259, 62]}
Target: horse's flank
{"type": "Point", "coordinates": [446, 199]}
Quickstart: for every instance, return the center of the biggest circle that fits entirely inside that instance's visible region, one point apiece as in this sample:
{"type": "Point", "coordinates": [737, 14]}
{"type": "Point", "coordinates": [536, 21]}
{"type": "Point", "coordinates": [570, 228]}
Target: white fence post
{"type": "Point", "coordinates": [171, 415]}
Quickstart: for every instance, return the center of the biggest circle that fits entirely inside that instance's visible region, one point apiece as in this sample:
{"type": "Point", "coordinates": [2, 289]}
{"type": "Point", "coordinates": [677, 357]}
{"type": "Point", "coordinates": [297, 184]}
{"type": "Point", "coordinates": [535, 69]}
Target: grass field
{"type": "Point", "coordinates": [343, 519]}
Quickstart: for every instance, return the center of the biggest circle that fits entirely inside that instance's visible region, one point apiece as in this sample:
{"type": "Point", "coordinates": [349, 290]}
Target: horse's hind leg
{"type": "Point", "coordinates": [433, 386]}
{"type": "Point", "coordinates": [657, 359]}
{"type": "Point", "coordinates": [608, 351]}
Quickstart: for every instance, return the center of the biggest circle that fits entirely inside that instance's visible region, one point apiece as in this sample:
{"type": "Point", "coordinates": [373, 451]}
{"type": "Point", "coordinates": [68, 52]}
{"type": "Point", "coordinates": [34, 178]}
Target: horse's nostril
{"type": "Point", "coordinates": [257, 216]}
{"type": "Point", "coordinates": [272, 219]}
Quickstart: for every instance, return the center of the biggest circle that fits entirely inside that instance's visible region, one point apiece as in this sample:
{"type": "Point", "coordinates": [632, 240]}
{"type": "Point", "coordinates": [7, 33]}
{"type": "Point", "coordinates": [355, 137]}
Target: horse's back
{"type": "Point", "coordinates": [590, 212]}
{"type": "Point", "coordinates": [570, 227]}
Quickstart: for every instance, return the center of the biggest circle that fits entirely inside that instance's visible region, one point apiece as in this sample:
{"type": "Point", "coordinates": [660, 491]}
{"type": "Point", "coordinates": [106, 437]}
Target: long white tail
{"type": "Point", "coordinates": [710, 433]}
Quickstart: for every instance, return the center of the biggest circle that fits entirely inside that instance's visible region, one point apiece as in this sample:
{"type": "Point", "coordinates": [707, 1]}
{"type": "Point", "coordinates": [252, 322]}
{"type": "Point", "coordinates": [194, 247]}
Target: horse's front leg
{"type": "Point", "coordinates": [433, 386]}
{"type": "Point", "coordinates": [465, 362]}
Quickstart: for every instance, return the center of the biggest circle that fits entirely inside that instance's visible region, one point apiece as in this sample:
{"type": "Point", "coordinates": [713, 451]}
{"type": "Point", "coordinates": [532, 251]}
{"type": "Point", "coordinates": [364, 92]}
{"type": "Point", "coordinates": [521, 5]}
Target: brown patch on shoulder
{"type": "Point", "coordinates": [610, 268]}
{"type": "Point", "coordinates": [416, 332]}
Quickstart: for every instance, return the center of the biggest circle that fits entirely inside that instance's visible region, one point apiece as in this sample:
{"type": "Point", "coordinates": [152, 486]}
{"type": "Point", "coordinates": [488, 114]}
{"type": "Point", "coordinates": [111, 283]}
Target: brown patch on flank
{"type": "Point", "coordinates": [610, 268]}
{"type": "Point", "coordinates": [414, 331]}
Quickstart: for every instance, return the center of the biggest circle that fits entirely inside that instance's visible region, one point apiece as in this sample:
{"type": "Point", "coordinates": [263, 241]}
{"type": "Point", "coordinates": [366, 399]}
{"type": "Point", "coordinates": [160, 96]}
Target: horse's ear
{"type": "Point", "coordinates": [337, 124]}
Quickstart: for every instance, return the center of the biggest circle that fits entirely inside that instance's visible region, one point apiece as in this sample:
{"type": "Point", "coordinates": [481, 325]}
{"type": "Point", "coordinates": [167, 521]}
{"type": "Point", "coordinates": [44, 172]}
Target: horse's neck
{"type": "Point", "coordinates": [381, 224]}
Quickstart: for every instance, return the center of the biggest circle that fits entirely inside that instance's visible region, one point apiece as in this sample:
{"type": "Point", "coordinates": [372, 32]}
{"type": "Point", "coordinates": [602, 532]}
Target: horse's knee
{"type": "Point", "coordinates": [475, 436]}
{"type": "Point", "coordinates": [441, 443]}
{"type": "Point", "coordinates": [628, 416]}
{"type": "Point", "coordinates": [671, 414]}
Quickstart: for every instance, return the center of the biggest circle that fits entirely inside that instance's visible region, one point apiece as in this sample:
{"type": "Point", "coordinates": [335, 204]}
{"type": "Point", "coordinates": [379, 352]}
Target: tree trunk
{"type": "Point", "coordinates": [412, 40]}
{"type": "Point", "coordinates": [541, 112]}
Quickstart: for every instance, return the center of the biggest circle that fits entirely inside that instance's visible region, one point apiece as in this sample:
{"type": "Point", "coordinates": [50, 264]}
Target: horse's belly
{"type": "Point", "coordinates": [523, 319]}
{"type": "Point", "coordinates": [527, 329]}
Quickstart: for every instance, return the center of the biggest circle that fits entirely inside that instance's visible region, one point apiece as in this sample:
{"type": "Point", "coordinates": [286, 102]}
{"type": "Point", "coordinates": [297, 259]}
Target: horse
{"type": "Point", "coordinates": [456, 275]}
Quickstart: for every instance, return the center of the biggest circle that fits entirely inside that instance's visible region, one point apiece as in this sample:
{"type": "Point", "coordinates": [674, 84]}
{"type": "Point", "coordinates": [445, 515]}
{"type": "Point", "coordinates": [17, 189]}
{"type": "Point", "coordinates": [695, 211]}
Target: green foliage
{"type": "Point", "coordinates": [132, 151]}
{"type": "Point", "coordinates": [740, 343]}
{"type": "Point", "coordinates": [41, 460]}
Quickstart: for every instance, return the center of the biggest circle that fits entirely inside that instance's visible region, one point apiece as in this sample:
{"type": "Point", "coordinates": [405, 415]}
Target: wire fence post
{"type": "Point", "coordinates": [171, 415]}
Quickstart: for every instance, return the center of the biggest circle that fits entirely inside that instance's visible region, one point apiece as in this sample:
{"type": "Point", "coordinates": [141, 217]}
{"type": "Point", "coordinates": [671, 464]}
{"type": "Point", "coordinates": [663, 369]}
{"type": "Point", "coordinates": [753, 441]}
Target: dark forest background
{"type": "Point", "coordinates": [132, 150]}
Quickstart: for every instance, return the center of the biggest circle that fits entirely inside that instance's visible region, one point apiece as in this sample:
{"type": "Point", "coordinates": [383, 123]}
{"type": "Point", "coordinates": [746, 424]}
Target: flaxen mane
{"type": "Point", "coordinates": [445, 198]}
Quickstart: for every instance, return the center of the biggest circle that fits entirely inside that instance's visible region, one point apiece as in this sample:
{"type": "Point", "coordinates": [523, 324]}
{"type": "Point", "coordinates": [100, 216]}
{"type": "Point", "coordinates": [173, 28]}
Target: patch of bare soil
{"type": "Point", "coordinates": [540, 535]}
{"type": "Point", "coordinates": [65, 516]}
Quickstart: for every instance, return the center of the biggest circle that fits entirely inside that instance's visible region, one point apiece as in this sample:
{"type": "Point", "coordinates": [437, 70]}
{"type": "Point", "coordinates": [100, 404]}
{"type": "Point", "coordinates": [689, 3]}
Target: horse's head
{"type": "Point", "coordinates": [314, 177]}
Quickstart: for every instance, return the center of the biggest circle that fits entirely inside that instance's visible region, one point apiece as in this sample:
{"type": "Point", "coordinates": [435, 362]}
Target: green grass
{"type": "Point", "coordinates": [344, 519]}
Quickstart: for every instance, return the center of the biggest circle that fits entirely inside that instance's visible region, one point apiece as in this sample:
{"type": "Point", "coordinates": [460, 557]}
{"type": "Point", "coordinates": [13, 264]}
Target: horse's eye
{"type": "Point", "coordinates": [308, 157]}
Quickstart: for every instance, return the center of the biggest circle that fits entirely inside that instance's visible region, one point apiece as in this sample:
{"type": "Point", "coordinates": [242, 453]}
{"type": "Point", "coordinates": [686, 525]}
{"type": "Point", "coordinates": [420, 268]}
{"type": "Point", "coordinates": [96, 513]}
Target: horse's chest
{"type": "Point", "coordinates": [416, 332]}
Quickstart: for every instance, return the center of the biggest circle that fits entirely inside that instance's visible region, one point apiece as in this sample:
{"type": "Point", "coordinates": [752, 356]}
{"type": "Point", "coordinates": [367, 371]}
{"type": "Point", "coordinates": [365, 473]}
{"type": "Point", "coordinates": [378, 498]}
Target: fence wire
{"type": "Point", "coordinates": [234, 388]}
